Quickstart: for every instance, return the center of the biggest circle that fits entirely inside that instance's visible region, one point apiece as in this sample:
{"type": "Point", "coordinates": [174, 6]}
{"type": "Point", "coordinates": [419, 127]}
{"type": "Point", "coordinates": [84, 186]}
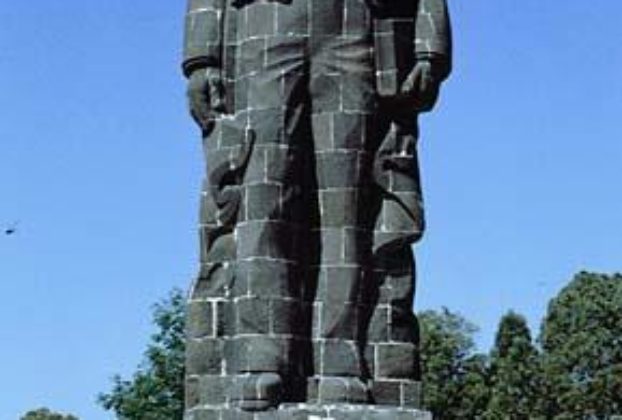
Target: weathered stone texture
{"type": "Point", "coordinates": [310, 204]}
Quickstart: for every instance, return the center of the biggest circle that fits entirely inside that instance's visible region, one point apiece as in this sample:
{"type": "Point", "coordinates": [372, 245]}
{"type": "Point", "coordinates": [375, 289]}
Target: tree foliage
{"type": "Point", "coordinates": [581, 339]}
{"type": "Point", "coordinates": [514, 371]}
{"type": "Point", "coordinates": [156, 390]}
{"type": "Point", "coordinates": [46, 414]}
{"type": "Point", "coordinates": [454, 377]}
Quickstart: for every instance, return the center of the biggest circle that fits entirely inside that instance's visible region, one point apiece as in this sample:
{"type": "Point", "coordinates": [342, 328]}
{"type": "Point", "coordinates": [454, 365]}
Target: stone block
{"type": "Point", "coordinates": [264, 21]}
{"type": "Point", "coordinates": [270, 278]}
{"type": "Point", "coordinates": [412, 394]}
{"type": "Point", "coordinates": [205, 356]}
{"type": "Point", "coordinates": [339, 358]}
{"type": "Point", "coordinates": [214, 389]}
{"type": "Point", "coordinates": [253, 315]}
{"type": "Point", "coordinates": [332, 246]}
{"type": "Point", "coordinates": [387, 393]}
{"type": "Point", "coordinates": [338, 207]}
{"type": "Point", "coordinates": [339, 320]}
{"type": "Point", "coordinates": [396, 361]}
{"type": "Point", "coordinates": [257, 354]}
{"type": "Point", "coordinates": [379, 325]}
{"type": "Point", "coordinates": [337, 169]}
{"type": "Point", "coordinates": [200, 319]}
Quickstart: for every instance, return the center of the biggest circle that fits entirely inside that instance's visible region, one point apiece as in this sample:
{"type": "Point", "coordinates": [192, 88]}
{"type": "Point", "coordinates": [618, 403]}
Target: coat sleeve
{"type": "Point", "coordinates": [433, 34]}
{"type": "Point", "coordinates": [203, 35]}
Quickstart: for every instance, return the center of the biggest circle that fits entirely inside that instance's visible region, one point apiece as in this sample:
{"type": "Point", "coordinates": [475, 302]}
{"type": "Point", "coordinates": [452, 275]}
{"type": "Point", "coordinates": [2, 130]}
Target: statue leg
{"type": "Point", "coordinates": [270, 315]}
{"type": "Point", "coordinates": [209, 322]}
{"type": "Point", "coordinates": [343, 103]}
{"type": "Point", "coordinates": [393, 334]}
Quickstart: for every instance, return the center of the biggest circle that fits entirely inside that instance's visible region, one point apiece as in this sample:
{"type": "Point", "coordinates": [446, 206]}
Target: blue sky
{"type": "Point", "coordinates": [522, 166]}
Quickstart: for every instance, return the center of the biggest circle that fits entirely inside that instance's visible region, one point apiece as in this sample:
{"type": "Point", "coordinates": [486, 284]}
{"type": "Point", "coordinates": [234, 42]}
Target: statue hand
{"type": "Point", "coordinates": [205, 96]}
{"type": "Point", "coordinates": [421, 86]}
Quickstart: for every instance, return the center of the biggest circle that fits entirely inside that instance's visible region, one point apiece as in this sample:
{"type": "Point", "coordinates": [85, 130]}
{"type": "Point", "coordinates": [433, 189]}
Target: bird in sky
{"type": "Point", "coordinates": [11, 229]}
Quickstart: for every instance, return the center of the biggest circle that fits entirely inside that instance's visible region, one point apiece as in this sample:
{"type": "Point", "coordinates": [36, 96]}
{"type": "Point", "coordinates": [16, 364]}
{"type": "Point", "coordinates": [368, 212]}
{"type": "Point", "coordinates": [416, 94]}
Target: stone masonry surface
{"type": "Point", "coordinates": [310, 205]}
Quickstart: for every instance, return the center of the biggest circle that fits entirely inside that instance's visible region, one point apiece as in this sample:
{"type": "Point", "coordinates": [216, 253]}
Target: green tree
{"type": "Point", "coordinates": [581, 339]}
{"type": "Point", "coordinates": [514, 371]}
{"type": "Point", "coordinates": [454, 377]}
{"type": "Point", "coordinates": [46, 414]}
{"type": "Point", "coordinates": [156, 390]}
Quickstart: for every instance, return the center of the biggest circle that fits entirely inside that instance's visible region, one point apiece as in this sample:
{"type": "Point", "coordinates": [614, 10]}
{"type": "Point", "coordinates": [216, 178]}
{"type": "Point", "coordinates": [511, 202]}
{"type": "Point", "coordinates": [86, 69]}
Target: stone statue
{"type": "Point", "coordinates": [312, 200]}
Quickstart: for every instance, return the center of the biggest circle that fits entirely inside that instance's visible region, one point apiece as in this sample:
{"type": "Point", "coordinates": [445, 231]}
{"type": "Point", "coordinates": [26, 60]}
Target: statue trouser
{"type": "Point", "coordinates": [309, 209]}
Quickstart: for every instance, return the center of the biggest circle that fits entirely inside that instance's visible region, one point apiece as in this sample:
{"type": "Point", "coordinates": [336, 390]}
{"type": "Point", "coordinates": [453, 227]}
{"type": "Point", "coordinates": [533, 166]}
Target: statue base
{"type": "Point", "coordinates": [314, 412]}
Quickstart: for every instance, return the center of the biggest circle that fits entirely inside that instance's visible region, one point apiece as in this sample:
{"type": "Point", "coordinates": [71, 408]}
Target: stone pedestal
{"type": "Point", "coordinates": [349, 412]}
{"type": "Point", "coordinates": [315, 412]}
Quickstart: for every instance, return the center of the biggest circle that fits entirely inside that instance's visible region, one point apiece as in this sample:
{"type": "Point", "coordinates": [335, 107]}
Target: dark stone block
{"type": "Point", "coordinates": [404, 177]}
{"type": "Point", "coordinates": [270, 278]}
{"type": "Point", "coordinates": [281, 164]}
{"type": "Point", "coordinates": [202, 414]}
{"type": "Point", "coordinates": [286, 317]}
{"type": "Point", "coordinates": [350, 131]}
{"type": "Point", "coordinates": [258, 354]}
{"type": "Point", "coordinates": [379, 325]}
{"type": "Point", "coordinates": [265, 239]}
{"type": "Point", "coordinates": [192, 392]}
{"type": "Point", "coordinates": [268, 125]}
{"type": "Point", "coordinates": [264, 20]}
{"type": "Point", "coordinates": [204, 357]}
{"type": "Point", "coordinates": [396, 262]}
{"type": "Point", "coordinates": [340, 358]}
{"type": "Point", "coordinates": [340, 284]}
{"type": "Point", "coordinates": [264, 92]}
{"type": "Point", "coordinates": [327, 88]}
{"type": "Point", "coordinates": [403, 326]}
{"type": "Point", "coordinates": [399, 220]}
{"type": "Point", "coordinates": [220, 157]}
{"type": "Point", "coordinates": [251, 57]}
{"type": "Point", "coordinates": [316, 331]}
{"type": "Point", "coordinates": [412, 394]}
{"type": "Point", "coordinates": [241, 281]}
{"type": "Point", "coordinates": [332, 246]}
{"type": "Point", "coordinates": [357, 19]}
{"type": "Point", "coordinates": [332, 389]}
{"type": "Point", "coordinates": [213, 281]}
{"type": "Point", "coordinates": [241, 93]}
{"type": "Point", "coordinates": [387, 393]}
{"type": "Point", "coordinates": [214, 389]}
{"type": "Point", "coordinates": [200, 319]}
{"type": "Point", "coordinates": [323, 131]}
{"type": "Point", "coordinates": [343, 390]}
{"type": "Point", "coordinates": [339, 320]}
{"type": "Point", "coordinates": [237, 414]}
{"type": "Point", "coordinates": [263, 202]}
{"type": "Point", "coordinates": [225, 318]}
{"type": "Point", "coordinates": [369, 363]}
{"type": "Point", "coordinates": [356, 92]}
{"type": "Point", "coordinates": [337, 169]}
{"type": "Point", "coordinates": [253, 315]}
{"type": "Point", "coordinates": [396, 361]}
{"type": "Point", "coordinates": [327, 18]}
{"type": "Point", "coordinates": [232, 134]}
{"type": "Point", "coordinates": [339, 207]}
{"type": "Point", "coordinates": [293, 20]}
{"type": "Point", "coordinates": [357, 245]}
{"type": "Point", "coordinates": [256, 169]}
